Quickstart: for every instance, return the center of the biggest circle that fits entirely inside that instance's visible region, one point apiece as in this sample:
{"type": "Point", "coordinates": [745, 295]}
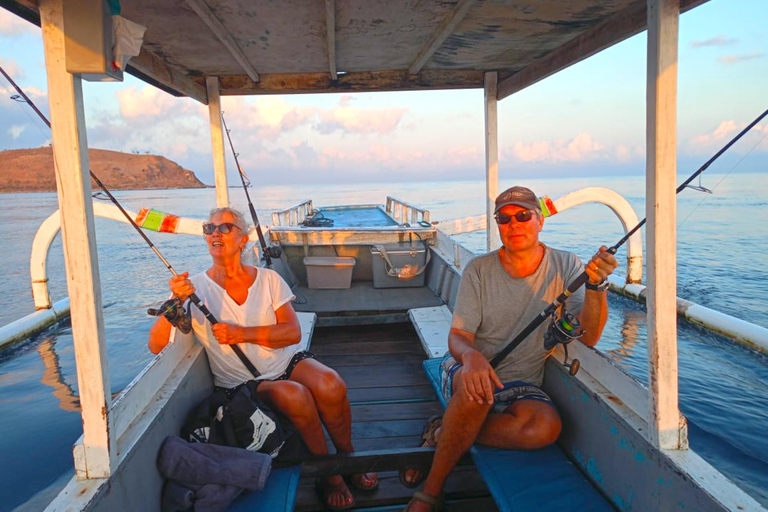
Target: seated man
{"type": "Point", "coordinates": [500, 293]}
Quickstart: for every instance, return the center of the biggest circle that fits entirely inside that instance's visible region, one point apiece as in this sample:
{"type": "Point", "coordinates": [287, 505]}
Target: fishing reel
{"type": "Point", "coordinates": [275, 251]}
{"type": "Point", "coordinates": [173, 311]}
{"type": "Point", "coordinates": [564, 328]}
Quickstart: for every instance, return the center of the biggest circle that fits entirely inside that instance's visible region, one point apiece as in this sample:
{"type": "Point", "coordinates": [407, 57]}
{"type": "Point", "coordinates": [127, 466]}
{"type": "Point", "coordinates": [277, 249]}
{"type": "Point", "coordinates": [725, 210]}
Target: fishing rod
{"type": "Point", "coordinates": [264, 249]}
{"type": "Point", "coordinates": [567, 325]}
{"type": "Point", "coordinates": [194, 298]}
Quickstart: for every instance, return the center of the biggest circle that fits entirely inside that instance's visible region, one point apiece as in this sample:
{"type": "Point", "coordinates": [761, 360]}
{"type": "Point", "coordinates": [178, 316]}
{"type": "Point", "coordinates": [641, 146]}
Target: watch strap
{"type": "Point", "coordinates": [600, 287]}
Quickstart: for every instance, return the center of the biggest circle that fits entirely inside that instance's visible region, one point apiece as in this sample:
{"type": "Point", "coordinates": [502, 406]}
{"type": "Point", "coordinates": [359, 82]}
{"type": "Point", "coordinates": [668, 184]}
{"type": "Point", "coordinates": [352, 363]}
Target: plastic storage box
{"type": "Point", "coordinates": [406, 260]}
{"type": "Point", "coordinates": [329, 273]}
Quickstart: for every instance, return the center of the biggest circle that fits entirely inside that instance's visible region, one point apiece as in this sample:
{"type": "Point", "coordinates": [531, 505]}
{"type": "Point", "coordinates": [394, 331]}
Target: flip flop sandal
{"type": "Point", "coordinates": [325, 489]}
{"type": "Point", "coordinates": [358, 483]}
{"type": "Point", "coordinates": [427, 440]}
{"type": "Point", "coordinates": [435, 502]}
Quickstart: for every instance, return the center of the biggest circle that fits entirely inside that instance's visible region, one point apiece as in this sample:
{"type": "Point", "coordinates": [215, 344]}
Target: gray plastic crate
{"type": "Point", "coordinates": [329, 273]}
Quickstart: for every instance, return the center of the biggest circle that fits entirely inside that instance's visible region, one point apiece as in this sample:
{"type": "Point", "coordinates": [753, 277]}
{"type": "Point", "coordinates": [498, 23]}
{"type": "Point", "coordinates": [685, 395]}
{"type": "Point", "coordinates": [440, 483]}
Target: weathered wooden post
{"type": "Point", "coordinates": [667, 428]}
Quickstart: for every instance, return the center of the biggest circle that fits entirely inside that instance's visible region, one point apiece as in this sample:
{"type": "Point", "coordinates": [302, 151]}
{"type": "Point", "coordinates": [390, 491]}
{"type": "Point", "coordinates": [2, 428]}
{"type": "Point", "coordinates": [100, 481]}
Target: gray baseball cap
{"type": "Point", "coordinates": [520, 196]}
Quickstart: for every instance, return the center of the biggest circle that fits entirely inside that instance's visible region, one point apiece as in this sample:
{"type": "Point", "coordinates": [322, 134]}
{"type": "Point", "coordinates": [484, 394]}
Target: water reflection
{"type": "Point", "coordinates": [630, 337]}
{"type": "Point", "coordinates": [53, 378]}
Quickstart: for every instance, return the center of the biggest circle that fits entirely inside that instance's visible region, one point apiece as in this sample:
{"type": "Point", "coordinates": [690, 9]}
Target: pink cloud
{"type": "Point", "coordinates": [579, 149]}
{"type": "Point", "coordinates": [13, 68]}
{"type": "Point", "coordinates": [350, 119]}
{"type": "Point", "coordinates": [733, 59]}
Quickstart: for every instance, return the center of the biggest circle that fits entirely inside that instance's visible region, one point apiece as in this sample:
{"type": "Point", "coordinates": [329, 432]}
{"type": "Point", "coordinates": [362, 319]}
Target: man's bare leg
{"type": "Point", "coordinates": [462, 422]}
{"type": "Point", "coordinates": [524, 425]}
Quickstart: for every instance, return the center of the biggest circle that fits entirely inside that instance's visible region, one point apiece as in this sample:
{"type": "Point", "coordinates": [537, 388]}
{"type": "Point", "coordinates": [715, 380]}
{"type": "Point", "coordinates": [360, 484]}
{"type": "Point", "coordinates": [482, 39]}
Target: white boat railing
{"type": "Point", "coordinates": [404, 212]}
{"type": "Point", "coordinates": [294, 215]}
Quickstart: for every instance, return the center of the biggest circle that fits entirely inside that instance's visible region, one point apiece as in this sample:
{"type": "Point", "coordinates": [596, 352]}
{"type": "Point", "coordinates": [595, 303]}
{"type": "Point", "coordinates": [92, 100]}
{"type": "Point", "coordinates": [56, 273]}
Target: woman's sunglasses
{"type": "Point", "coordinates": [224, 228]}
{"type": "Point", "coordinates": [505, 218]}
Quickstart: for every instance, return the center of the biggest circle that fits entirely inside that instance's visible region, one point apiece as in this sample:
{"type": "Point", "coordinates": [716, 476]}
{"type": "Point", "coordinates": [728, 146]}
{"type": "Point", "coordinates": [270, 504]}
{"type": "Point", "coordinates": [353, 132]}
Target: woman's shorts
{"type": "Point", "coordinates": [502, 398]}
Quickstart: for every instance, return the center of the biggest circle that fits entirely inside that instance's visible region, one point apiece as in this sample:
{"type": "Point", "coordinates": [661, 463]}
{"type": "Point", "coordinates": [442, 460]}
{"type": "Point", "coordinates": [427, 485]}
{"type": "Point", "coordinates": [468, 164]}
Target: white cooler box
{"type": "Point", "coordinates": [329, 273]}
{"type": "Point", "coordinates": [400, 265]}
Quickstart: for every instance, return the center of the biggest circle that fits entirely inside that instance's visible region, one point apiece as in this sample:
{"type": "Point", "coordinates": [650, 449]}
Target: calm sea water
{"type": "Point", "coordinates": [722, 257]}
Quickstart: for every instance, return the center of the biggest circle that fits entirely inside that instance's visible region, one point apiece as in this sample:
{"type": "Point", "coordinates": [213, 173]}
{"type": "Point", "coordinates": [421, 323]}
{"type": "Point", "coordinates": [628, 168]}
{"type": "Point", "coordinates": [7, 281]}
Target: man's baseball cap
{"type": "Point", "coordinates": [519, 196]}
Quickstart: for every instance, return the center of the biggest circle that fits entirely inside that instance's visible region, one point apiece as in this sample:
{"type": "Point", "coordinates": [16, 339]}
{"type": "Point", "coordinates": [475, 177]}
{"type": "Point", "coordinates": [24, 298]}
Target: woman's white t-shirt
{"type": "Point", "coordinates": [265, 296]}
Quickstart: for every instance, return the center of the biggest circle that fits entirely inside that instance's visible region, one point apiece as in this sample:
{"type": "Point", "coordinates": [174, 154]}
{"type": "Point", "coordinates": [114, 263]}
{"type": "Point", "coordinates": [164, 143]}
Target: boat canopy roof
{"type": "Point", "coordinates": [299, 46]}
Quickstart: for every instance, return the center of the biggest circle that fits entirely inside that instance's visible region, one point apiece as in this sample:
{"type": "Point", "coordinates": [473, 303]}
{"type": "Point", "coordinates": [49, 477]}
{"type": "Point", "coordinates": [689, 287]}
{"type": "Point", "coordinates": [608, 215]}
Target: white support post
{"type": "Point", "coordinates": [491, 157]}
{"type": "Point", "coordinates": [96, 457]}
{"type": "Point", "coordinates": [667, 429]}
{"type": "Point", "coordinates": [217, 141]}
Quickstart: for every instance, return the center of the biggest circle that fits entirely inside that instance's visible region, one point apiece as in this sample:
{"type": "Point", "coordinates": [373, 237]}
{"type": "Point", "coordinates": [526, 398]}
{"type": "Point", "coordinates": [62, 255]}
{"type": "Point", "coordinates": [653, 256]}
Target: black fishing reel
{"type": "Point", "coordinates": [564, 328]}
{"type": "Point", "coordinates": [173, 311]}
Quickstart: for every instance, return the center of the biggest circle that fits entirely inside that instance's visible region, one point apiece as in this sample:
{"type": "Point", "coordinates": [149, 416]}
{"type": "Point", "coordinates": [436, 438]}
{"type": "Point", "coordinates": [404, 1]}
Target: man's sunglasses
{"type": "Point", "coordinates": [224, 228]}
{"type": "Point", "coordinates": [505, 218]}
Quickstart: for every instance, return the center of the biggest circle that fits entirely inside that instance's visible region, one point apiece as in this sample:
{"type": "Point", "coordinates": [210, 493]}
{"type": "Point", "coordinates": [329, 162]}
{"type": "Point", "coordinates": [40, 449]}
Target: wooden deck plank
{"type": "Point", "coordinates": [381, 366]}
{"type": "Point", "coordinates": [420, 392]}
{"type": "Point", "coordinates": [396, 411]}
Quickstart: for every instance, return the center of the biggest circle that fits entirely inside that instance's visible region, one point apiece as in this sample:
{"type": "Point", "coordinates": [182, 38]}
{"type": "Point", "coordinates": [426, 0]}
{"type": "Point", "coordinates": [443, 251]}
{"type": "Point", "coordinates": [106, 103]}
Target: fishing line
{"type": "Point", "coordinates": [582, 279]}
{"type": "Point", "coordinates": [194, 298]}
{"type": "Point", "coordinates": [724, 177]}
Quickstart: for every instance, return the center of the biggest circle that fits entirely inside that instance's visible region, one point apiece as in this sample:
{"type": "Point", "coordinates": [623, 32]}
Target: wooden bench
{"type": "Point", "coordinates": [280, 491]}
{"type": "Point", "coordinates": [519, 480]}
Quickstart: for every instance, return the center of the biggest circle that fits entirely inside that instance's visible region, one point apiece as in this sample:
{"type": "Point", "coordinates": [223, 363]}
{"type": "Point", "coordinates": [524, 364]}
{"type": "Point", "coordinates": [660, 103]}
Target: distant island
{"type": "Point", "coordinates": [31, 170]}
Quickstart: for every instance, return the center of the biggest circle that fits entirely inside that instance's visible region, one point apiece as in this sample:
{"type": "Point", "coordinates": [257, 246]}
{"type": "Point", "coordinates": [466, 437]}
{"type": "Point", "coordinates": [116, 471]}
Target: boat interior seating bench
{"type": "Point", "coordinates": [519, 480]}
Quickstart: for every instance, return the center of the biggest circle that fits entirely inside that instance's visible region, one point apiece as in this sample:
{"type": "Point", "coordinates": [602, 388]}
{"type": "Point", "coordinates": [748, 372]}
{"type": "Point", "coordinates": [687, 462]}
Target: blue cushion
{"type": "Point", "coordinates": [279, 493]}
{"type": "Point", "coordinates": [521, 480]}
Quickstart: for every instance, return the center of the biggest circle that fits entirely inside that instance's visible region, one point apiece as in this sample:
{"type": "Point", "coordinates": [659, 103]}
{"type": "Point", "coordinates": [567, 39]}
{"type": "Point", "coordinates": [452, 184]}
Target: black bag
{"type": "Point", "coordinates": [238, 418]}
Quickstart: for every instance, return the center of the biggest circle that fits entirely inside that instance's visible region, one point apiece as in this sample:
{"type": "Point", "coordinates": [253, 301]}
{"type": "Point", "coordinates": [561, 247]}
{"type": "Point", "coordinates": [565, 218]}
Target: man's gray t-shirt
{"type": "Point", "coordinates": [496, 307]}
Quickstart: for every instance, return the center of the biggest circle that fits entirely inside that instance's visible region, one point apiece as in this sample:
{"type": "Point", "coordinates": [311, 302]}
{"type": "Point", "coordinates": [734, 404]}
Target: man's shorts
{"type": "Point", "coordinates": [502, 398]}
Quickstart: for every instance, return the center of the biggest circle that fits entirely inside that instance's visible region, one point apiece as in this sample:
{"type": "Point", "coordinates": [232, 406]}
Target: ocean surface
{"type": "Point", "coordinates": [722, 261]}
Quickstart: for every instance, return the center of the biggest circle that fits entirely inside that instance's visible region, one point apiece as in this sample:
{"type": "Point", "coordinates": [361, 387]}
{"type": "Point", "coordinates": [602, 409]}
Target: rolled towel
{"type": "Point", "coordinates": [202, 463]}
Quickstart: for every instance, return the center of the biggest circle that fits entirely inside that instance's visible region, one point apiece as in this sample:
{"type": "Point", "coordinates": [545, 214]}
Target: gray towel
{"type": "Point", "coordinates": [201, 463]}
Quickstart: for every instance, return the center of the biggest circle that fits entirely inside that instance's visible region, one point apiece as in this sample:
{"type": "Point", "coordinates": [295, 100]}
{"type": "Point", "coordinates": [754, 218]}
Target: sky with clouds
{"type": "Point", "coordinates": [588, 120]}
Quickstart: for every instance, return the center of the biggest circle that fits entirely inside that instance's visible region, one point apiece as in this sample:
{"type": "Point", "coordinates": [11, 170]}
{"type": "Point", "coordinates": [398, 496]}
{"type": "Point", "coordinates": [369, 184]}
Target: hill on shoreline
{"type": "Point", "coordinates": [31, 170]}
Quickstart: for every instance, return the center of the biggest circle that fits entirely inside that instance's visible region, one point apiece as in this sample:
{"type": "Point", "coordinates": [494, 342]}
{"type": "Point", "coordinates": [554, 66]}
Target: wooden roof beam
{"type": "Point", "coordinates": [149, 64]}
{"type": "Point", "coordinates": [210, 19]}
{"type": "Point", "coordinates": [439, 37]}
{"type": "Point", "coordinates": [330, 26]}
{"type": "Point", "coordinates": [396, 80]}
{"type": "Point", "coordinates": [622, 25]}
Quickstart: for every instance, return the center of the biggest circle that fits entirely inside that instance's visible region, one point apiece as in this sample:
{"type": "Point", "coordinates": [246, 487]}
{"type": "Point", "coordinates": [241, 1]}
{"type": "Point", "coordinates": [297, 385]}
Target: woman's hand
{"type": "Point", "coordinates": [478, 378]}
{"type": "Point", "coordinates": [228, 334]}
{"type": "Point", "coordinates": [181, 286]}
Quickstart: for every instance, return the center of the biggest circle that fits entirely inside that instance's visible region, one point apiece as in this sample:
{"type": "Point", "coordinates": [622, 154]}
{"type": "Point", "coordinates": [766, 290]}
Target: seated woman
{"type": "Point", "coordinates": [253, 306]}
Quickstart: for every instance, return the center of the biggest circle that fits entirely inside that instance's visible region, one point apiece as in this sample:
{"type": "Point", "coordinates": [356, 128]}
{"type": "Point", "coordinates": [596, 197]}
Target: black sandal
{"type": "Point", "coordinates": [427, 440]}
{"type": "Point", "coordinates": [435, 502]}
{"type": "Point", "coordinates": [356, 481]}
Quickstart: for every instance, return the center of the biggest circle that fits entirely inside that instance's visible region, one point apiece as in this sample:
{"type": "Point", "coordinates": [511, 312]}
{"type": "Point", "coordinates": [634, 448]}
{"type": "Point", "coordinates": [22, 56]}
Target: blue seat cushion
{"type": "Point", "coordinates": [522, 480]}
{"type": "Point", "coordinates": [278, 494]}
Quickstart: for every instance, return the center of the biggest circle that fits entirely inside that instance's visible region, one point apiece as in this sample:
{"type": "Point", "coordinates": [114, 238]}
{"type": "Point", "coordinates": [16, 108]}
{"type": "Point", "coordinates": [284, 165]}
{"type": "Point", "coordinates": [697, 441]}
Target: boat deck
{"type": "Point", "coordinates": [363, 297]}
{"type": "Point", "coordinates": [391, 399]}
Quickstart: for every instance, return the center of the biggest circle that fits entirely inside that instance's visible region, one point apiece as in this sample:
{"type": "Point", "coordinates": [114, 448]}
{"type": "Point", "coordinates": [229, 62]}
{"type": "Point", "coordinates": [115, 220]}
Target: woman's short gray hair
{"type": "Point", "coordinates": [239, 217]}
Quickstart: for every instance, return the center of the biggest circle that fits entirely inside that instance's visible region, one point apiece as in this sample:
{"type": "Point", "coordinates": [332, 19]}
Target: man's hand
{"type": "Point", "coordinates": [228, 334]}
{"type": "Point", "coordinates": [601, 266]}
{"type": "Point", "coordinates": [478, 378]}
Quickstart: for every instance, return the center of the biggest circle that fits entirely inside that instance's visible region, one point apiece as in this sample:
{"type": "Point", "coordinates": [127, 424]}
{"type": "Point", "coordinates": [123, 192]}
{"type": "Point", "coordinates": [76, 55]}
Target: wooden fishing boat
{"type": "Point", "coordinates": [623, 447]}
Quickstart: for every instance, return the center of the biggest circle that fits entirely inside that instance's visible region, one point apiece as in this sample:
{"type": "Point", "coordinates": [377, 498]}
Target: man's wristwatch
{"type": "Point", "coordinates": [600, 287]}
